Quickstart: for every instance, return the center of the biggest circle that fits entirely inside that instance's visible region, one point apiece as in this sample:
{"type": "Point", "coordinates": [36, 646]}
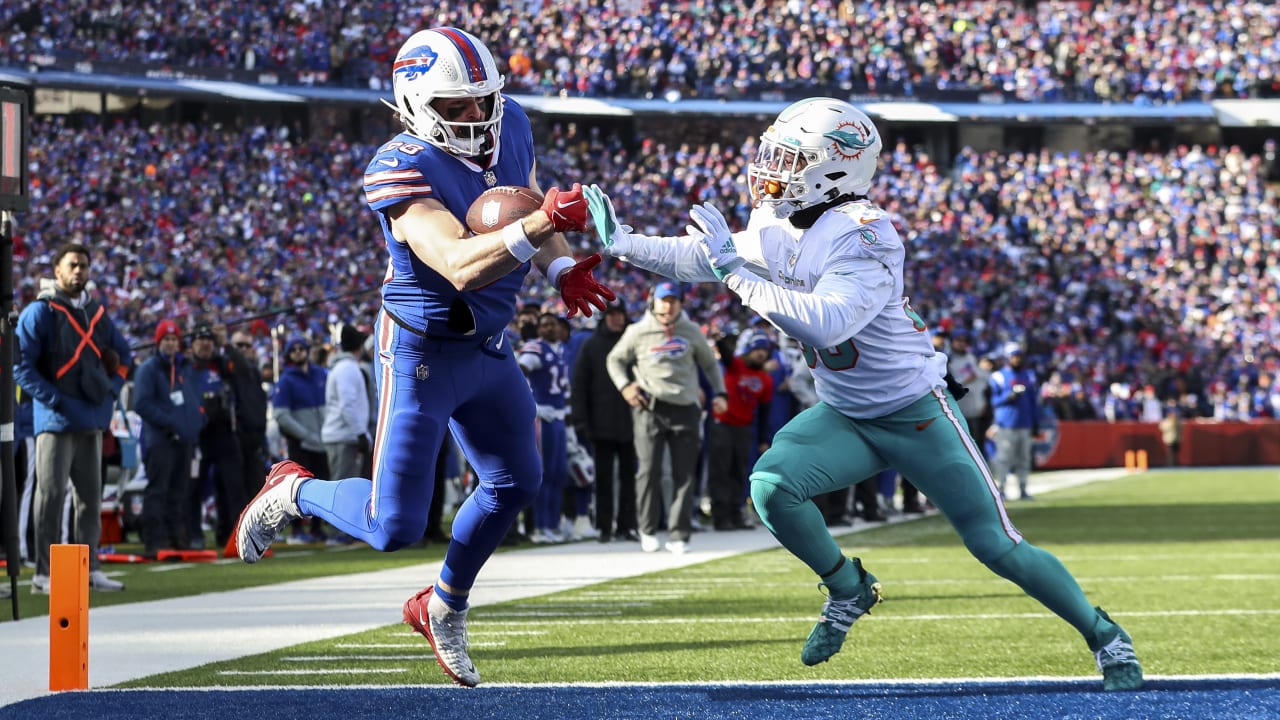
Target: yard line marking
{"type": "Point", "coordinates": [170, 566]}
{"type": "Point", "coordinates": [317, 671]}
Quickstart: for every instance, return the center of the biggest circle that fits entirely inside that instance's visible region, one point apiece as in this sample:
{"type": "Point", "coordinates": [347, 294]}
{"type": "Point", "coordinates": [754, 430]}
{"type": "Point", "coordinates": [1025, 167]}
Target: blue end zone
{"type": "Point", "coordinates": [1210, 699]}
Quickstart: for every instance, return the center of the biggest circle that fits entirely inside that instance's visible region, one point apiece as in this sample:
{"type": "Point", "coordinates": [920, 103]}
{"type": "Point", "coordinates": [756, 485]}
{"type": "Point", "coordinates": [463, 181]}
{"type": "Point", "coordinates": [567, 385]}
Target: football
{"type": "Point", "coordinates": [500, 206]}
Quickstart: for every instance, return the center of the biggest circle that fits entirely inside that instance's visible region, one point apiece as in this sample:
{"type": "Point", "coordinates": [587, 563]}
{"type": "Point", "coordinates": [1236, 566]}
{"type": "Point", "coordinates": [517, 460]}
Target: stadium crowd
{"type": "Point", "coordinates": [1118, 271]}
{"type": "Point", "coordinates": [1108, 51]}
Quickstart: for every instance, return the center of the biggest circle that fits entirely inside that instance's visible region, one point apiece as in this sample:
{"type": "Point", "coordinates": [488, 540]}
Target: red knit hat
{"type": "Point", "coordinates": [166, 327]}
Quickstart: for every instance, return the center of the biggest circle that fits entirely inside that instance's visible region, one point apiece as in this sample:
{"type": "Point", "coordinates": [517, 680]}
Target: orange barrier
{"type": "Point", "coordinates": [1096, 443]}
{"type": "Point", "coordinates": [69, 617]}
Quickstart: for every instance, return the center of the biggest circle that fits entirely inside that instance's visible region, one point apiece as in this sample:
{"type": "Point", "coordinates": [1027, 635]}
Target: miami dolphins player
{"type": "Point", "coordinates": [824, 265]}
{"type": "Point", "coordinates": [444, 363]}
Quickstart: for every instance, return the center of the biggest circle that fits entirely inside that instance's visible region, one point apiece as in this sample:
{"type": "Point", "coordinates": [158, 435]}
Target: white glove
{"type": "Point", "coordinates": [615, 238]}
{"type": "Point", "coordinates": [713, 236]}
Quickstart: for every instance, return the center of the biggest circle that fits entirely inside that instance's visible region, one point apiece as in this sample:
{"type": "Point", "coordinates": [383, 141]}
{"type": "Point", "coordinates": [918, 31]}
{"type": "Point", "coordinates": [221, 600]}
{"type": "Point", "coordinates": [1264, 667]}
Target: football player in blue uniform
{"type": "Point", "coordinates": [824, 265]}
{"type": "Point", "coordinates": [543, 361]}
{"type": "Point", "coordinates": [444, 363]}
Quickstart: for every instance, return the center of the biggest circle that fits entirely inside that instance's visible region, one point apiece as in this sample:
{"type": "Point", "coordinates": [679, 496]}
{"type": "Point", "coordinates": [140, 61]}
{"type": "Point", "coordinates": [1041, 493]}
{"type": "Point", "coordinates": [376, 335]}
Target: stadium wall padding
{"type": "Point", "coordinates": [1095, 444]}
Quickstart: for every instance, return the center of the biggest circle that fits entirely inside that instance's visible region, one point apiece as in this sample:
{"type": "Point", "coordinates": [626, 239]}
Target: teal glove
{"type": "Point", "coordinates": [615, 238]}
{"type": "Point", "coordinates": [713, 236]}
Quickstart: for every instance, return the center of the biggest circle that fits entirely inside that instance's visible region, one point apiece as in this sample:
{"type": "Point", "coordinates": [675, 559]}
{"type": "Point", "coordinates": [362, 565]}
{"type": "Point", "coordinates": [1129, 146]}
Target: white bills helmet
{"type": "Point", "coordinates": [446, 62]}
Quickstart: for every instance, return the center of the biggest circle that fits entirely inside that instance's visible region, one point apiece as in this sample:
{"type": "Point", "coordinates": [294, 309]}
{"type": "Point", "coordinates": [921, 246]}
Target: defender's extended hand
{"type": "Point", "coordinates": [614, 237]}
{"type": "Point", "coordinates": [712, 233]}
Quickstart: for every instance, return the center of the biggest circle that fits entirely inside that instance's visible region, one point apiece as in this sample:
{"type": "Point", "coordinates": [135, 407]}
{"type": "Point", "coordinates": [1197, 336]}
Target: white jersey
{"type": "Point", "coordinates": [837, 288]}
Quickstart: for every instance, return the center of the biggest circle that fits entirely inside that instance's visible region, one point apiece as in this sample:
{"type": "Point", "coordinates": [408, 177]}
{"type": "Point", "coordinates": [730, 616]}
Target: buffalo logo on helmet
{"type": "Point", "coordinates": [415, 62]}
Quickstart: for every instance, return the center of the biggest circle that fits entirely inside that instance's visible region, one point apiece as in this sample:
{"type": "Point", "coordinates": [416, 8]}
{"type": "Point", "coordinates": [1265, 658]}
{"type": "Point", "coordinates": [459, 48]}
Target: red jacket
{"type": "Point", "coordinates": [747, 389]}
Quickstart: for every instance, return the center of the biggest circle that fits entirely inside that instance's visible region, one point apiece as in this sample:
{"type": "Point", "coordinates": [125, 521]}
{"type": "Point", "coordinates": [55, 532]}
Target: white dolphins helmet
{"type": "Point", "coordinates": [817, 150]}
{"type": "Point", "coordinates": [446, 62]}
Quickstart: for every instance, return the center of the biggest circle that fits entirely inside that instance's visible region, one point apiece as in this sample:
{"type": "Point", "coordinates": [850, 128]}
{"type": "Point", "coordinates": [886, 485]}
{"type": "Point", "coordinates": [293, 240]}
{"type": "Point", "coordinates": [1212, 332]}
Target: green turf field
{"type": "Point", "coordinates": [1188, 562]}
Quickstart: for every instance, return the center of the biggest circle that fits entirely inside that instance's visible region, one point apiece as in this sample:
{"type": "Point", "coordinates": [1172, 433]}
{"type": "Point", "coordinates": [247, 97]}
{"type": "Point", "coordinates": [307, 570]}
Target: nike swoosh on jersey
{"type": "Point", "coordinates": [922, 425]}
{"type": "Point", "coordinates": [390, 162]}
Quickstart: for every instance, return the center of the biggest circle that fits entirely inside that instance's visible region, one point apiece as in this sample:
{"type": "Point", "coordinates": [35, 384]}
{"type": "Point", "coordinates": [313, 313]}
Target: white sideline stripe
{"type": "Point", "coordinates": [349, 658]}
{"type": "Point", "coordinates": [170, 566]}
{"type": "Point", "coordinates": [879, 617]}
{"type": "Point", "coordinates": [330, 671]}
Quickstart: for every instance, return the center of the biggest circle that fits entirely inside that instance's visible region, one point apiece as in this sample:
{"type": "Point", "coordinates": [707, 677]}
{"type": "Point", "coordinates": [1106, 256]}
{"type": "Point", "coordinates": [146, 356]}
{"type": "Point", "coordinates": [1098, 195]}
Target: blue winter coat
{"type": "Point", "coordinates": [153, 384]}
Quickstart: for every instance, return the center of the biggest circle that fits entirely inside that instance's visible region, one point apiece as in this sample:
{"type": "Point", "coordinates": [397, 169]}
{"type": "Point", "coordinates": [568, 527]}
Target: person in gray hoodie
{"type": "Point", "coordinates": [345, 431]}
{"type": "Point", "coordinates": [655, 366]}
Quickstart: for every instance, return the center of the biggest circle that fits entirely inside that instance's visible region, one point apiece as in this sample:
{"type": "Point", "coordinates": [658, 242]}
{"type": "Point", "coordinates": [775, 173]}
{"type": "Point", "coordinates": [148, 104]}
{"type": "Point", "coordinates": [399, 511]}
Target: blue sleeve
{"type": "Point", "coordinates": [146, 401]}
{"type": "Point", "coordinates": [394, 175]}
{"type": "Point", "coordinates": [26, 370]}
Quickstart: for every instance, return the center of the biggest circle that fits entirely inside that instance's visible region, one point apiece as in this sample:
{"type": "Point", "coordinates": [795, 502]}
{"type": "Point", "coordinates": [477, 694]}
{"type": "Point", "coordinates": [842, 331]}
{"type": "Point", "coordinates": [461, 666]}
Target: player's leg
{"type": "Point", "coordinates": [388, 511]}
{"type": "Point", "coordinates": [818, 451]}
{"type": "Point", "coordinates": [945, 464]}
{"type": "Point", "coordinates": [495, 429]}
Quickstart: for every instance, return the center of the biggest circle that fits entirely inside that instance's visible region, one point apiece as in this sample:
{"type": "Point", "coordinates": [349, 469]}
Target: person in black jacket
{"type": "Point", "coordinates": [602, 419]}
{"type": "Point", "coordinates": [251, 409]}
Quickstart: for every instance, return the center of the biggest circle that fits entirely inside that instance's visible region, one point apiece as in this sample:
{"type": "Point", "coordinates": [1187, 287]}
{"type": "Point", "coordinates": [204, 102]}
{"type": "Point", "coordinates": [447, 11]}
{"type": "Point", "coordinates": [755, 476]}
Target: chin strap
{"type": "Point", "coordinates": [804, 219]}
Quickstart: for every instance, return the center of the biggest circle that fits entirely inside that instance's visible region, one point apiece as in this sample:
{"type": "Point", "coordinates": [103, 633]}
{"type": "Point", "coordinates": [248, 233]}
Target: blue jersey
{"type": "Point", "coordinates": [409, 169]}
{"type": "Point", "coordinates": [548, 374]}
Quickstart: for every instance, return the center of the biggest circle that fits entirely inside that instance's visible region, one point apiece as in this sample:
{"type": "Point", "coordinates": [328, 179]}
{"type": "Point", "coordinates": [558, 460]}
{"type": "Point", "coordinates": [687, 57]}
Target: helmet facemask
{"type": "Point", "coordinates": [818, 150]}
{"type": "Point", "coordinates": [448, 63]}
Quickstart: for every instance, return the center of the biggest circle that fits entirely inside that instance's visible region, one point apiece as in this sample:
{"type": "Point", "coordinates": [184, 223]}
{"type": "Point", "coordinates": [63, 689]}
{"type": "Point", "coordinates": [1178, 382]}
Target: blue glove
{"type": "Point", "coordinates": [615, 238]}
{"type": "Point", "coordinates": [712, 234]}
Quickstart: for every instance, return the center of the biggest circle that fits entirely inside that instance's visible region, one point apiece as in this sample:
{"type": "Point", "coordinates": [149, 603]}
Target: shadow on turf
{"type": "Point", "coordinates": [1062, 524]}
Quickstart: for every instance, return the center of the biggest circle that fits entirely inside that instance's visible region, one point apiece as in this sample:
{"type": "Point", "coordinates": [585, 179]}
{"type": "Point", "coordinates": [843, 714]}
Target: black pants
{"type": "Point", "coordinates": [220, 459]}
{"type": "Point", "coordinates": [166, 514]}
{"type": "Point", "coordinates": [605, 452]}
{"type": "Point", "coordinates": [728, 465]}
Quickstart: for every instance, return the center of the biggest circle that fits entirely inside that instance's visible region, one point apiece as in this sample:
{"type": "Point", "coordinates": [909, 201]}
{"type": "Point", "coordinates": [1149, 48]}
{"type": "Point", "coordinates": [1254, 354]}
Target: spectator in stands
{"type": "Point", "coordinates": [167, 396]}
{"type": "Point", "coordinates": [220, 460]}
{"type": "Point", "coordinates": [655, 366]}
{"type": "Point", "coordinates": [73, 362]}
{"type": "Point", "coordinates": [824, 264]}
{"type": "Point", "coordinates": [602, 420]}
{"type": "Point", "coordinates": [1015, 398]}
{"type": "Point", "coordinates": [734, 432]}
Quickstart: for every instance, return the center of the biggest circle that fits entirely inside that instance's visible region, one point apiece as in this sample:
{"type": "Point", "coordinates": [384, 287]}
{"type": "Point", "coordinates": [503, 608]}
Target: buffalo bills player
{"type": "Point", "coordinates": [543, 361]}
{"type": "Point", "coordinates": [825, 266]}
{"type": "Point", "coordinates": [444, 363]}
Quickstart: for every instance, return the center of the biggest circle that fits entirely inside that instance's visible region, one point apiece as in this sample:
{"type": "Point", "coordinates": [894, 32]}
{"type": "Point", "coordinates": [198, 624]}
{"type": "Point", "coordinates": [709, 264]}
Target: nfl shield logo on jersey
{"type": "Point", "coordinates": [490, 178]}
{"type": "Point", "coordinates": [423, 372]}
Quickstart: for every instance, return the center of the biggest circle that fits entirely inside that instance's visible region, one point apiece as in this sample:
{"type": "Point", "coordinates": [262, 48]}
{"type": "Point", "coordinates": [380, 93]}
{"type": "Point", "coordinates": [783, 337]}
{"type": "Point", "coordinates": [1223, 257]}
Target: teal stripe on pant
{"type": "Point", "coordinates": [822, 450]}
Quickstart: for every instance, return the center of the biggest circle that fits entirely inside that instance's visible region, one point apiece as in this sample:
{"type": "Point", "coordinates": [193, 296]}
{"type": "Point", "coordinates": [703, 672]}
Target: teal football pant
{"type": "Point", "coordinates": [821, 450]}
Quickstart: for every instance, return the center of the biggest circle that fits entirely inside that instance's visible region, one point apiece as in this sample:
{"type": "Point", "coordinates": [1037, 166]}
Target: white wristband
{"type": "Point", "coordinates": [558, 266]}
{"type": "Point", "coordinates": [517, 242]}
